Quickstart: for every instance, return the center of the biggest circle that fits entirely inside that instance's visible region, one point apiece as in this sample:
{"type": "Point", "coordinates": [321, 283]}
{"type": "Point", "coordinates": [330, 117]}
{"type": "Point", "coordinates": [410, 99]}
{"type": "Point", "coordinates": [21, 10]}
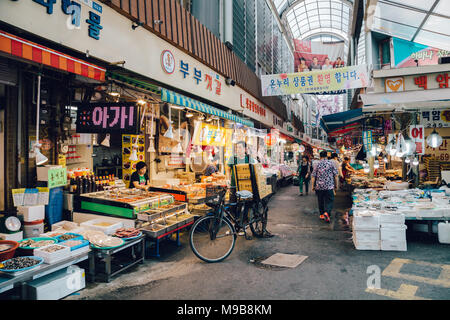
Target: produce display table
{"type": "Point", "coordinates": [8, 281]}
{"type": "Point", "coordinates": [111, 267]}
{"type": "Point", "coordinates": [166, 235]}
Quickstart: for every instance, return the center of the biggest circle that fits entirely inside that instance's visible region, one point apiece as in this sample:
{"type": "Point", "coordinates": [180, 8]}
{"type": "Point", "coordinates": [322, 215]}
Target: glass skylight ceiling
{"type": "Point", "coordinates": [311, 17]}
{"type": "Point", "coordinates": [425, 22]}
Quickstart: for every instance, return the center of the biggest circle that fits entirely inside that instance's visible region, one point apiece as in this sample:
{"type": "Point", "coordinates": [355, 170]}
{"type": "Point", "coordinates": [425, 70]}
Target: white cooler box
{"type": "Point", "coordinates": [364, 245]}
{"type": "Point", "coordinates": [107, 229]}
{"type": "Point", "coordinates": [57, 285]}
{"type": "Point", "coordinates": [397, 234]}
{"type": "Point", "coordinates": [387, 218]}
{"type": "Point", "coordinates": [366, 222]}
{"type": "Point", "coordinates": [393, 245]}
{"type": "Point", "coordinates": [369, 235]}
{"type": "Point", "coordinates": [31, 213]}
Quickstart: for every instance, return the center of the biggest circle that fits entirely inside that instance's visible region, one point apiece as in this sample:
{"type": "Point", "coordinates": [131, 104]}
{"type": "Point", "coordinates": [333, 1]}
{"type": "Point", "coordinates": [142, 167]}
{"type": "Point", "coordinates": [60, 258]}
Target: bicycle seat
{"type": "Point", "coordinates": [244, 194]}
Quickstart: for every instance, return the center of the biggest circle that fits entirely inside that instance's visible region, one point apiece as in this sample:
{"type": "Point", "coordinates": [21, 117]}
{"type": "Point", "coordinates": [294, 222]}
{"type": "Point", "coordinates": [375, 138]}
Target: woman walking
{"type": "Point", "coordinates": [304, 174]}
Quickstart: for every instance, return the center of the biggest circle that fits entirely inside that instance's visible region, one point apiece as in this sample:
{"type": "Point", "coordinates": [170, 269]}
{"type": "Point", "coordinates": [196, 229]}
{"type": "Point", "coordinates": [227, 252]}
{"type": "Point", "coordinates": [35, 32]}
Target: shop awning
{"type": "Point", "coordinates": [286, 137]}
{"type": "Point", "coordinates": [406, 100]}
{"type": "Point", "coordinates": [134, 82]}
{"type": "Point", "coordinates": [31, 51]}
{"type": "Point", "coordinates": [178, 99]}
{"type": "Point", "coordinates": [338, 120]}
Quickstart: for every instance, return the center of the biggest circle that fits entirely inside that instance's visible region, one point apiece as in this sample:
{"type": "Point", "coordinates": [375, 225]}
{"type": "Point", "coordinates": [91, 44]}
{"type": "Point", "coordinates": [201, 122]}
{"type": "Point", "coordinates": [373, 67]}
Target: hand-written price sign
{"type": "Point", "coordinates": [107, 117]}
{"type": "Point", "coordinates": [57, 177]}
{"type": "Point", "coordinates": [417, 133]}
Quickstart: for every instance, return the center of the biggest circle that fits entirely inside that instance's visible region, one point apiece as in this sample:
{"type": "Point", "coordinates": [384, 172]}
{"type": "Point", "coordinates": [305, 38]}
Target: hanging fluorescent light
{"type": "Point", "coordinates": [106, 141]}
{"type": "Point", "coordinates": [434, 140]}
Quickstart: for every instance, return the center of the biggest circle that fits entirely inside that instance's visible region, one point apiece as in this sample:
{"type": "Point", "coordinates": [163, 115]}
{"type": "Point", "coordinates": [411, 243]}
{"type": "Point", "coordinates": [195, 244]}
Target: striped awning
{"type": "Point", "coordinates": [178, 99]}
{"type": "Point", "coordinates": [134, 82]}
{"type": "Point", "coordinates": [28, 50]}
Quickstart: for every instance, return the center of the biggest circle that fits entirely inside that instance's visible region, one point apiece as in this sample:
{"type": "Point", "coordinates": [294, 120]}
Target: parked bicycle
{"type": "Point", "coordinates": [212, 237]}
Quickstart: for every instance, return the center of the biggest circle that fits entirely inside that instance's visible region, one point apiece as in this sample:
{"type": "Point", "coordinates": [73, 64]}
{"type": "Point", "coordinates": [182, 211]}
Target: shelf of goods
{"type": "Point", "coordinates": [165, 219]}
{"type": "Point", "coordinates": [126, 203]}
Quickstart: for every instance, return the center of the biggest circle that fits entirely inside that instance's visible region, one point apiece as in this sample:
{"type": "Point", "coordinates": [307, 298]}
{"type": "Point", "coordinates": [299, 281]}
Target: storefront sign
{"type": "Point", "coordinates": [442, 153]}
{"type": "Point", "coordinates": [396, 84]}
{"type": "Point", "coordinates": [315, 81]}
{"type": "Point", "coordinates": [417, 134]}
{"type": "Point", "coordinates": [251, 105]}
{"type": "Point", "coordinates": [73, 10]}
{"type": "Point", "coordinates": [107, 117]}
{"type": "Point", "coordinates": [57, 177]}
{"type": "Point", "coordinates": [209, 135]}
{"type": "Point", "coordinates": [438, 118]}
{"type": "Point", "coordinates": [192, 72]}
{"type": "Point", "coordinates": [367, 140]}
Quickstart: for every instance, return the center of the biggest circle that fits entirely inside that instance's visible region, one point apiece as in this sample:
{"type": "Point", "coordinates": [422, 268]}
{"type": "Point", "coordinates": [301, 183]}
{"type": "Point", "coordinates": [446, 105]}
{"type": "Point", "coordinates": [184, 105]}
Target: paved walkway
{"type": "Point", "coordinates": [333, 269]}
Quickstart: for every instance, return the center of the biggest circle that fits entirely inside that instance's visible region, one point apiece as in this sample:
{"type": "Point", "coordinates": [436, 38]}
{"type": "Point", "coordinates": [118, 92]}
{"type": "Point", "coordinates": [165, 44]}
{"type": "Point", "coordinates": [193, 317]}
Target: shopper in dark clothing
{"type": "Point", "coordinates": [304, 174]}
{"type": "Point", "coordinates": [324, 180]}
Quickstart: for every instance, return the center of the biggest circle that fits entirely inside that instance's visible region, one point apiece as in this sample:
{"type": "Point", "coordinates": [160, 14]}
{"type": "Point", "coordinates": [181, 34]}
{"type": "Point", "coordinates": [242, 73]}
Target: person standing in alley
{"type": "Point", "coordinates": [335, 160]}
{"type": "Point", "coordinates": [304, 171]}
{"type": "Point", "coordinates": [324, 181]}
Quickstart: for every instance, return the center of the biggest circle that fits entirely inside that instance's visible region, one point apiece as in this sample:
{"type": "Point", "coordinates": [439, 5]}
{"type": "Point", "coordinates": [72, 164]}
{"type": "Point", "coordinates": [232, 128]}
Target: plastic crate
{"type": "Point", "coordinates": [52, 257]}
{"type": "Point", "coordinates": [374, 245]}
{"type": "Point", "coordinates": [54, 209]}
{"type": "Point", "coordinates": [387, 218]}
{"type": "Point", "coordinates": [366, 222]}
{"type": "Point", "coordinates": [393, 245]}
{"type": "Point", "coordinates": [107, 229]}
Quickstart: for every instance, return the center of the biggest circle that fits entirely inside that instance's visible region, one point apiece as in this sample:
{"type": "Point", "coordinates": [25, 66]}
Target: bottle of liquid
{"type": "Point", "coordinates": [78, 185]}
{"type": "Point", "coordinates": [84, 184]}
{"type": "Point", "coordinates": [73, 184]}
{"type": "Point", "coordinates": [113, 180]}
{"type": "Point", "coordinates": [91, 182]}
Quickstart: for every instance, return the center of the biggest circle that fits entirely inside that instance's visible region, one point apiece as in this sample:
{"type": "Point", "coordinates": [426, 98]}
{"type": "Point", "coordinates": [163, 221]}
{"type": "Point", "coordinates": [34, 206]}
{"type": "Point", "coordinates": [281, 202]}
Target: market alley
{"type": "Point", "coordinates": [334, 269]}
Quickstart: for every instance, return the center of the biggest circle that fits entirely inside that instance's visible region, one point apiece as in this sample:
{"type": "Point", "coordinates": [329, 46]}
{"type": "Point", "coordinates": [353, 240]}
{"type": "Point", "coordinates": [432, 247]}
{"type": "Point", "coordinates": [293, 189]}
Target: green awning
{"type": "Point", "coordinates": [137, 83]}
{"type": "Point", "coordinates": [178, 99]}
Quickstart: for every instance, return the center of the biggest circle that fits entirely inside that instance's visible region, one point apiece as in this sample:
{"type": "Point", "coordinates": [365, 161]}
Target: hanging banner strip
{"type": "Point", "coordinates": [315, 81]}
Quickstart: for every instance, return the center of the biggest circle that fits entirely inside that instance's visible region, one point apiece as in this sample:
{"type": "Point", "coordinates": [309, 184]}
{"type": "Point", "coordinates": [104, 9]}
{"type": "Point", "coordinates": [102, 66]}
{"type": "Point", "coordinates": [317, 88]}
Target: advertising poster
{"type": "Point", "coordinates": [129, 166]}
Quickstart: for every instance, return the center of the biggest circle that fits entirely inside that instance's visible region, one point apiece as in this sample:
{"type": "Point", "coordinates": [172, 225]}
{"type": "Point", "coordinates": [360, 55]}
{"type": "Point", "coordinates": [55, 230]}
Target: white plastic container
{"type": "Point", "coordinates": [52, 257]}
{"type": "Point", "coordinates": [16, 236]}
{"type": "Point", "coordinates": [31, 213]}
{"type": "Point", "coordinates": [393, 234]}
{"type": "Point", "coordinates": [387, 218]}
{"type": "Point", "coordinates": [393, 245]}
{"type": "Point", "coordinates": [33, 230]}
{"type": "Point", "coordinates": [366, 222]}
{"type": "Point", "coordinates": [91, 224]}
{"type": "Point", "coordinates": [68, 224]}
{"type": "Point", "coordinates": [369, 235]}
{"type": "Point", "coordinates": [444, 232]}
{"type": "Point", "coordinates": [374, 245]}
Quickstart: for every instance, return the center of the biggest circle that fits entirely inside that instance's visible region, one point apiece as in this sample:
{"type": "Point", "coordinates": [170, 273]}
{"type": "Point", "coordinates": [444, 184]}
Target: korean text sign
{"type": "Point", "coordinates": [107, 117]}
{"type": "Point", "coordinates": [315, 81]}
{"type": "Point", "coordinates": [417, 133]}
{"type": "Point", "coordinates": [210, 135]}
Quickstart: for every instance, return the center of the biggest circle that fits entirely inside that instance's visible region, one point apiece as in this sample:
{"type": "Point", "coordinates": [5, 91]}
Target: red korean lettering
{"type": "Point", "coordinates": [443, 80]}
{"type": "Point", "coordinates": [421, 81]}
{"type": "Point", "coordinates": [208, 80]}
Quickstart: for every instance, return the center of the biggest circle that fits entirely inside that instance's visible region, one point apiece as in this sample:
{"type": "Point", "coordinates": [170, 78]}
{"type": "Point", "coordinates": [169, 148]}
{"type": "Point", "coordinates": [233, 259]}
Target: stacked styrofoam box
{"type": "Point", "coordinates": [366, 231]}
{"type": "Point", "coordinates": [393, 232]}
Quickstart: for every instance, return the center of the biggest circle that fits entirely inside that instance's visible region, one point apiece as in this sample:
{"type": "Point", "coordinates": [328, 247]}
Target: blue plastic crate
{"type": "Point", "coordinates": [54, 209]}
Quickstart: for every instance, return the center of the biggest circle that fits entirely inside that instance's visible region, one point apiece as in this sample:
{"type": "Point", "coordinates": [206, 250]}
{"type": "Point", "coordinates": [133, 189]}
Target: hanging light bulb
{"type": "Point", "coordinates": [376, 165]}
{"type": "Point", "coordinates": [133, 156]}
{"type": "Point", "coordinates": [415, 161]}
{"type": "Point", "coordinates": [106, 141]}
{"type": "Point", "coordinates": [434, 140]}
{"type": "Point", "coordinates": [407, 160]}
{"type": "Point", "coordinates": [410, 146]}
{"type": "Point", "coordinates": [151, 147]}
{"type": "Point", "coordinates": [40, 158]}
{"type": "Point", "coordinates": [366, 170]}
{"type": "Point", "coordinates": [385, 159]}
{"type": "Point", "coordinates": [189, 115]}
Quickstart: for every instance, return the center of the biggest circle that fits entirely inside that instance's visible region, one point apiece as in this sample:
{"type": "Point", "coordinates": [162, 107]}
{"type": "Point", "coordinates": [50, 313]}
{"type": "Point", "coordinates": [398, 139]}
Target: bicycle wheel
{"type": "Point", "coordinates": [258, 220]}
{"type": "Point", "coordinates": [207, 247]}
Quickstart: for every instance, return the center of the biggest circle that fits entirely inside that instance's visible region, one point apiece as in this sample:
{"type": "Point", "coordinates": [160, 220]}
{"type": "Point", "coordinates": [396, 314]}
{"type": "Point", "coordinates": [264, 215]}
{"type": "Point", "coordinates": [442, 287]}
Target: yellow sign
{"type": "Point", "coordinates": [62, 160]}
{"type": "Point", "coordinates": [210, 135]}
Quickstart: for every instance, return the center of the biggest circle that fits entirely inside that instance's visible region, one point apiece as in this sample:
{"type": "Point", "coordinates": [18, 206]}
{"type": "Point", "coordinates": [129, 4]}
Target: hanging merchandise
{"type": "Point", "coordinates": [401, 146]}
{"type": "Point", "coordinates": [169, 132]}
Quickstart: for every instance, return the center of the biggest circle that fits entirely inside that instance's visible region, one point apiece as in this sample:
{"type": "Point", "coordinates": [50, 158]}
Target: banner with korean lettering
{"type": "Point", "coordinates": [417, 134]}
{"type": "Point", "coordinates": [315, 81]}
{"type": "Point", "coordinates": [107, 117]}
{"type": "Point", "coordinates": [438, 118]}
{"type": "Point", "coordinates": [209, 135]}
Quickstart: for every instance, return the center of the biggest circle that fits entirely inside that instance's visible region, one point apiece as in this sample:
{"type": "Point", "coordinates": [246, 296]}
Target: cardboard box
{"type": "Point", "coordinates": [42, 172]}
{"type": "Point", "coordinates": [32, 213]}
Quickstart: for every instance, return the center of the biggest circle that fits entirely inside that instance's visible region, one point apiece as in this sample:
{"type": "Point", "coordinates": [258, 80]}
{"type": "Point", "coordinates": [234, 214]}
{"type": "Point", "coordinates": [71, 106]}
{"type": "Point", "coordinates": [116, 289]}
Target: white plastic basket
{"type": "Point", "coordinates": [52, 257]}
{"type": "Point", "coordinates": [90, 224]}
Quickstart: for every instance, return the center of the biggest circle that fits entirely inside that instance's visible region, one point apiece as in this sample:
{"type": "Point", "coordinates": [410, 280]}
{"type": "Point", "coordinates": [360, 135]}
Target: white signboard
{"type": "Point", "coordinates": [417, 134]}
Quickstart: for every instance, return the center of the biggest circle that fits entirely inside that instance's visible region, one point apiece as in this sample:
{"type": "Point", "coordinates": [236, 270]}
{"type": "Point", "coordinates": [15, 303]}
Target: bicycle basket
{"type": "Point", "coordinates": [214, 195]}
